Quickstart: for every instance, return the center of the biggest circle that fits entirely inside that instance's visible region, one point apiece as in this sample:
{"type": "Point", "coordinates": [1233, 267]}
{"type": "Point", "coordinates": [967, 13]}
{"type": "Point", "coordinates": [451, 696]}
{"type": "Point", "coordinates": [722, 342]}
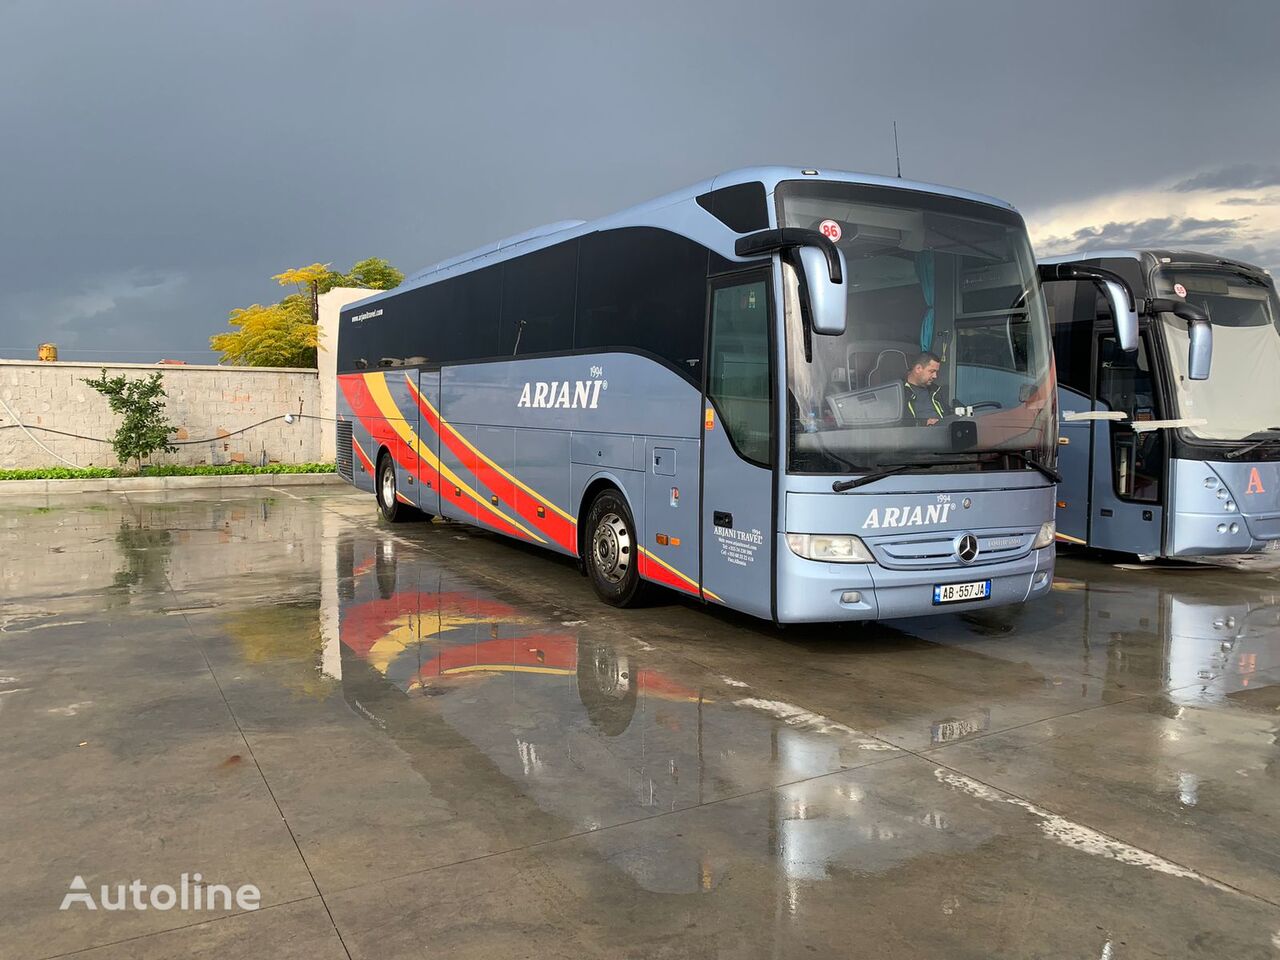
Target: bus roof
{"type": "Point", "coordinates": [1153, 256]}
{"type": "Point", "coordinates": [638, 215]}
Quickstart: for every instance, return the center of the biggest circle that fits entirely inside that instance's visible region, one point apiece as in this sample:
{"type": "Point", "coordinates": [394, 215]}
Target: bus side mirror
{"type": "Point", "coordinates": [1199, 329]}
{"type": "Point", "coordinates": [828, 299]}
{"type": "Point", "coordinates": [822, 263]}
{"type": "Point", "coordinates": [1126, 316]}
{"type": "Point", "coordinates": [1200, 353]}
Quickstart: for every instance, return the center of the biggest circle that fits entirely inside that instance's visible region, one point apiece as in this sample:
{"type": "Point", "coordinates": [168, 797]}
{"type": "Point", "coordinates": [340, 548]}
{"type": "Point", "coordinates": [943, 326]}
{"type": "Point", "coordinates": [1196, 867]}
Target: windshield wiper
{"type": "Point", "coordinates": [1262, 441]}
{"type": "Point", "coordinates": [840, 486]}
{"type": "Point", "coordinates": [1048, 472]}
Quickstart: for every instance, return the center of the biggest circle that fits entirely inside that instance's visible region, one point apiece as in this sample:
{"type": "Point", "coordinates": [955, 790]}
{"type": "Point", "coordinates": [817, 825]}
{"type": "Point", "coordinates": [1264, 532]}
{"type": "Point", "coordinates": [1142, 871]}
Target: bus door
{"type": "Point", "coordinates": [1129, 482]}
{"type": "Point", "coordinates": [738, 446]}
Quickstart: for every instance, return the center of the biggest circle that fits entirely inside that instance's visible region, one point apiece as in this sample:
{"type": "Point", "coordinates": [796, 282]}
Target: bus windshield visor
{"type": "Point", "coordinates": [1242, 395]}
{"type": "Point", "coordinates": [946, 349]}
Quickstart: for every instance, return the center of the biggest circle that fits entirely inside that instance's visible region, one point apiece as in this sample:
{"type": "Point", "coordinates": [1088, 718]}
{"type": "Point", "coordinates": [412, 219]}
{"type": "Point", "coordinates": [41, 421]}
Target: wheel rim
{"type": "Point", "coordinates": [388, 486]}
{"type": "Point", "coordinates": [611, 548]}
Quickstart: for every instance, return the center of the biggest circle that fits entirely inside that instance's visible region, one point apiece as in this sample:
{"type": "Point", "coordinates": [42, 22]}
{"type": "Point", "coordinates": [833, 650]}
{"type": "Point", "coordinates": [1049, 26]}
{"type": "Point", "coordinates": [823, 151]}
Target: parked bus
{"type": "Point", "coordinates": [727, 391]}
{"type": "Point", "coordinates": [1171, 449]}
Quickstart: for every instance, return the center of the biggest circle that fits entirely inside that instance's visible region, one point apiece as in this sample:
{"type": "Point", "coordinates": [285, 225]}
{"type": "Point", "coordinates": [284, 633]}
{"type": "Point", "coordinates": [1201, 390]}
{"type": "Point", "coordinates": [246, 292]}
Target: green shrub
{"type": "Point", "coordinates": [221, 470]}
{"type": "Point", "coordinates": [59, 473]}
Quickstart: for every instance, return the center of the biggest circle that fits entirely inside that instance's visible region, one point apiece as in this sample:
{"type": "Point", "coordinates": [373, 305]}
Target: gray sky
{"type": "Point", "coordinates": [160, 161]}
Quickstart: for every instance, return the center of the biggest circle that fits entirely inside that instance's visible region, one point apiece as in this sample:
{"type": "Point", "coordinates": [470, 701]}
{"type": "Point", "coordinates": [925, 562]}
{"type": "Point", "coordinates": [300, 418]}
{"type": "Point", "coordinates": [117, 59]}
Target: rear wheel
{"type": "Point", "coordinates": [613, 551]}
{"type": "Point", "coordinates": [393, 509]}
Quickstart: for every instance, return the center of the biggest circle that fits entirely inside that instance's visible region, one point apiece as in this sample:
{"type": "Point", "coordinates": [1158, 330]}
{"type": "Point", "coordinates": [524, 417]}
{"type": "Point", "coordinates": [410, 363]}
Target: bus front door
{"type": "Point", "coordinates": [1075, 436]}
{"type": "Point", "coordinates": [737, 445]}
{"type": "Point", "coordinates": [1127, 503]}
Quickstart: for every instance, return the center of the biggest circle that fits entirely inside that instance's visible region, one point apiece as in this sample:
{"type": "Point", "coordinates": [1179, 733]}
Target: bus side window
{"type": "Point", "coordinates": [537, 301]}
{"type": "Point", "coordinates": [738, 372]}
{"type": "Point", "coordinates": [641, 288]}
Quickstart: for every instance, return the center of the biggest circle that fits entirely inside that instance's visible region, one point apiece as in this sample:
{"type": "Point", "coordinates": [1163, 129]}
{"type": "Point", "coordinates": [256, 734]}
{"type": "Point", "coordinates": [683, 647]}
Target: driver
{"type": "Point", "coordinates": [921, 400]}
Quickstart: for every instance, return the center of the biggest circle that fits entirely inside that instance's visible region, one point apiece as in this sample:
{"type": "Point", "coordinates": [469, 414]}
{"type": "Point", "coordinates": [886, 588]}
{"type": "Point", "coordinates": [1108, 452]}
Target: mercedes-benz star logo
{"type": "Point", "coordinates": [966, 548]}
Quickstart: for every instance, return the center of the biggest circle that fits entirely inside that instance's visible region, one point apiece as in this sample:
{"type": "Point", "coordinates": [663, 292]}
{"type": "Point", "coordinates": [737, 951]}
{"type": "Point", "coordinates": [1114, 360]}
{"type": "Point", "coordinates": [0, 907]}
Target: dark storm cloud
{"type": "Point", "coordinates": [1270, 200]}
{"type": "Point", "coordinates": [215, 145]}
{"type": "Point", "coordinates": [1238, 176]}
{"type": "Point", "coordinates": [1153, 232]}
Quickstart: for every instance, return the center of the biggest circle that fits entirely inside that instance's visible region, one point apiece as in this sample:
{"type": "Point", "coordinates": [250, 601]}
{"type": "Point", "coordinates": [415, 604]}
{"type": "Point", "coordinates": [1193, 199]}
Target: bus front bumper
{"type": "Point", "coordinates": [812, 591]}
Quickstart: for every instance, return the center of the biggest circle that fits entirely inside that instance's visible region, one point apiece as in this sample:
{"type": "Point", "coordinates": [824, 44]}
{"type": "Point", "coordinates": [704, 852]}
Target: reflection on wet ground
{"type": "Point", "coordinates": [431, 741]}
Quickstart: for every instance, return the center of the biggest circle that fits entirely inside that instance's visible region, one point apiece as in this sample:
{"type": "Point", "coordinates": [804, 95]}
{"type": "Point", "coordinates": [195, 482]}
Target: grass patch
{"type": "Point", "coordinates": [163, 470]}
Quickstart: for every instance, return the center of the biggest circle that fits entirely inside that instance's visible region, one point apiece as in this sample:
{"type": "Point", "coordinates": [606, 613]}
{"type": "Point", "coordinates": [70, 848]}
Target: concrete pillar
{"type": "Point", "coordinates": [331, 305]}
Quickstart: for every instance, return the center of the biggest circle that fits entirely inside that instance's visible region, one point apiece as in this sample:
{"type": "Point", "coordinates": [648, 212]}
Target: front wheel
{"type": "Point", "coordinates": [613, 551]}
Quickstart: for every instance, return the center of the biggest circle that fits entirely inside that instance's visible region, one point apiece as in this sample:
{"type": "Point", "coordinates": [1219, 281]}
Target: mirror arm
{"type": "Point", "coordinates": [765, 242]}
{"type": "Point", "coordinates": [1078, 271]}
{"type": "Point", "coordinates": [1179, 308]}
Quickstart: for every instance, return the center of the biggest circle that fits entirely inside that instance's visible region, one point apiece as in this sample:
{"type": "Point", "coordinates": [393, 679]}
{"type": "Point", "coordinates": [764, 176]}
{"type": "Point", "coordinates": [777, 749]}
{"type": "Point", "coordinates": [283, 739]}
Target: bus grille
{"type": "Point", "coordinates": [936, 550]}
{"type": "Point", "coordinates": [345, 468]}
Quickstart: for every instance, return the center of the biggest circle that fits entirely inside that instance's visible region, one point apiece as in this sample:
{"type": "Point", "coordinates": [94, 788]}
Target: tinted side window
{"type": "Point", "coordinates": [641, 288]}
{"type": "Point", "coordinates": [1072, 324]}
{"type": "Point", "coordinates": [350, 342]}
{"type": "Point", "coordinates": [741, 208]}
{"type": "Point", "coordinates": [451, 320]}
{"type": "Point", "coordinates": [537, 301]}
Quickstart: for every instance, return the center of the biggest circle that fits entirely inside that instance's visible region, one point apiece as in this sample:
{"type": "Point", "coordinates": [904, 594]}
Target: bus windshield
{"type": "Point", "coordinates": [946, 349]}
{"type": "Point", "coordinates": [1242, 394]}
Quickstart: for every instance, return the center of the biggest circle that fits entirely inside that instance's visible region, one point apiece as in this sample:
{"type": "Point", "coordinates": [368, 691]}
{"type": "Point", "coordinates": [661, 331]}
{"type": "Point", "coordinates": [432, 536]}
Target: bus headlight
{"type": "Point", "coordinates": [1048, 530]}
{"type": "Point", "coordinates": [831, 548]}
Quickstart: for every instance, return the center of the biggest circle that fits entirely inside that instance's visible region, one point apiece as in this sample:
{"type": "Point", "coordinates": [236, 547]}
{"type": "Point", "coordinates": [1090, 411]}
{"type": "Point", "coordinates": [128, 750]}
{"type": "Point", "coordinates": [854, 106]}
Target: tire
{"type": "Point", "coordinates": [385, 485]}
{"type": "Point", "coordinates": [612, 551]}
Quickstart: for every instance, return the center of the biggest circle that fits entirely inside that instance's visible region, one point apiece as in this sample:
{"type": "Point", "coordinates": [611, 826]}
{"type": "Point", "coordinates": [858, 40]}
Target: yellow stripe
{"type": "Point", "coordinates": [377, 385]}
{"type": "Point", "coordinates": [507, 668]}
{"type": "Point", "coordinates": [476, 450]}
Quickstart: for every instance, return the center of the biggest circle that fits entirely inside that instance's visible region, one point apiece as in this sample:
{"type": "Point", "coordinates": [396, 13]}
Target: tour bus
{"type": "Point", "coordinates": [1170, 448]}
{"type": "Point", "coordinates": [710, 391]}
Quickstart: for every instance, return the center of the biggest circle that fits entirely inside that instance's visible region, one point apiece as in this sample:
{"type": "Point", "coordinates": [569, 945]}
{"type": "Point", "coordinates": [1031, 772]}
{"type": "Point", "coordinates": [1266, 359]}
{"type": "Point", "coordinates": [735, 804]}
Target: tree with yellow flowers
{"type": "Point", "coordinates": [285, 334]}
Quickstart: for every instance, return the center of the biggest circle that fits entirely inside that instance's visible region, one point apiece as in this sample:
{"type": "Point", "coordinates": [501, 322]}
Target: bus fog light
{"type": "Point", "coordinates": [851, 596]}
{"type": "Point", "coordinates": [1235, 528]}
{"type": "Point", "coordinates": [1230, 506]}
{"type": "Point", "coordinates": [1048, 530]}
{"type": "Point", "coordinates": [1222, 528]}
{"type": "Point", "coordinates": [829, 547]}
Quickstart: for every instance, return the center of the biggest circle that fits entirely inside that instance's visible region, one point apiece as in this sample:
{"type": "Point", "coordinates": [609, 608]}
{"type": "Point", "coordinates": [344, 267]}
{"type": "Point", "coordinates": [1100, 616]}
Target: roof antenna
{"type": "Point", "coordinates": [896, 155]}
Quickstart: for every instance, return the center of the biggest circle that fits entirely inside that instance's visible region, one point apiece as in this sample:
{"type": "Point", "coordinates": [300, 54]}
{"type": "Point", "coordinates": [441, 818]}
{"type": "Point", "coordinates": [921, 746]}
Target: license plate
{"type": "Point", "coordinates": [959, 592]}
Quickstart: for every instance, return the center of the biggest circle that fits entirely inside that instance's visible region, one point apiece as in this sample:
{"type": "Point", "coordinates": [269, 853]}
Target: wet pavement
{"type": "Point", "coordinates": [427, 741]}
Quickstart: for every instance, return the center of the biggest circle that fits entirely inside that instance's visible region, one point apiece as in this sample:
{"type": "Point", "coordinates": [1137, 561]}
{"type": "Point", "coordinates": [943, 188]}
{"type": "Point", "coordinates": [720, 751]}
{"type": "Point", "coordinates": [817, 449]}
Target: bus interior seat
{"type": "Point", "coordinates": [891, 365]}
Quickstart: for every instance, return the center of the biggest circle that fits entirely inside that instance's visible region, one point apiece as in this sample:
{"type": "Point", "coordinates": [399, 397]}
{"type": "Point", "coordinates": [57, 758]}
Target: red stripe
{"type": "Point", "coordinates": [652, 570]}
{"type": "Point", "coordinates": [369, 414]}
{"type": "Point", "coordinates": [553, 526]}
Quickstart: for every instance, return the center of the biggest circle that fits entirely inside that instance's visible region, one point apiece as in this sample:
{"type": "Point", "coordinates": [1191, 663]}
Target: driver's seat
{"type": "Point", "coordinates": [891, 367]}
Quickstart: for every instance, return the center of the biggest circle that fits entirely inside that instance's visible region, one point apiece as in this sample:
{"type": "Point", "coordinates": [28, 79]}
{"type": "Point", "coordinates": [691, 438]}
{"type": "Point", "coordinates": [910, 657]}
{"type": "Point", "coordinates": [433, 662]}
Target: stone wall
{"type": "Point", "coordinates": [210, 404]}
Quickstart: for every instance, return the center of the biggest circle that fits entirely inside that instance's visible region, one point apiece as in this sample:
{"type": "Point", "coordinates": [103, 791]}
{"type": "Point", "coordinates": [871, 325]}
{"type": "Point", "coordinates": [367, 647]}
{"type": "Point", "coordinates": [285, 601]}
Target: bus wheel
{"type": "Point", "coordinates": [613, 551]}
{"type": "Point", "coordinates": [392, 509]}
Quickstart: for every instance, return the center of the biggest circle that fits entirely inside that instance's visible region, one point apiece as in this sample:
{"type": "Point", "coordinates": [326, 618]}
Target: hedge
{"type": "Point", "coordinates": [162, 470]}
